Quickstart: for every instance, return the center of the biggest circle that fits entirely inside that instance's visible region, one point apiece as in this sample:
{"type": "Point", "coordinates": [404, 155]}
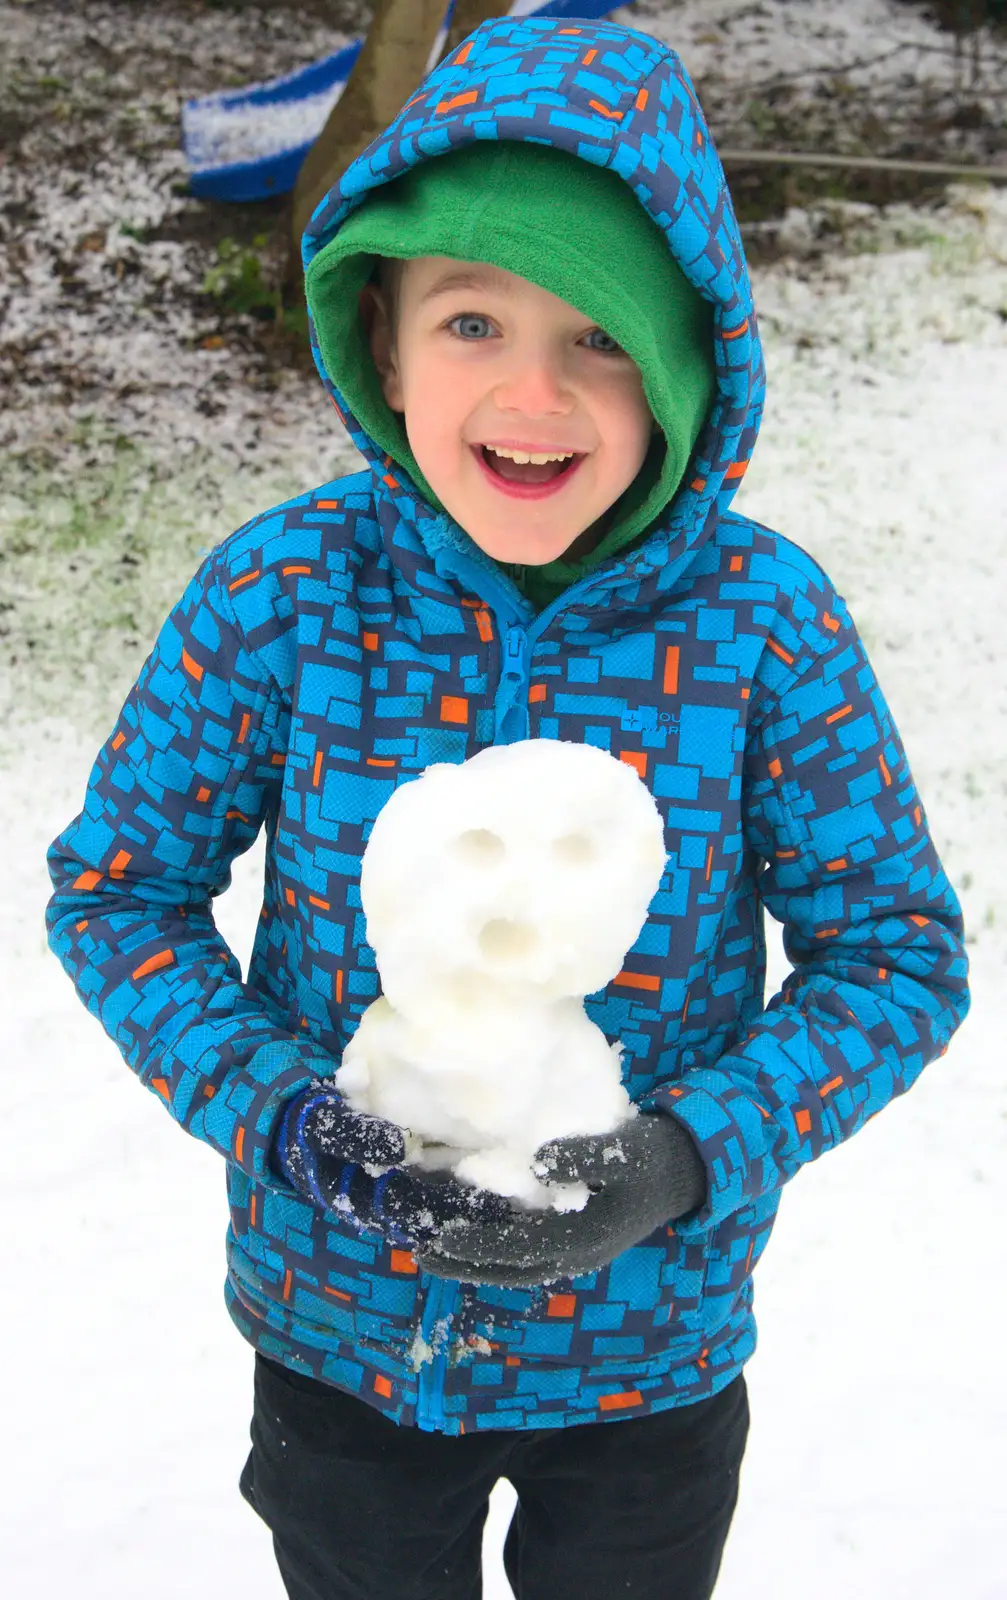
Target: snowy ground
{"type": "Point", "coordinates": [878, 1396]}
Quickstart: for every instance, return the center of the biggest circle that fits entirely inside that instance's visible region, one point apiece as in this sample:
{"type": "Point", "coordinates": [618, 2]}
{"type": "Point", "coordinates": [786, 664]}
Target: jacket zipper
{"type": "Point", "coordinates": [517, 641]}
{"type": "Point", "coordinates": [514, 724]}
{"type": "Point", "coordinates": [442, 1298]}
{"type": "Point", "coordinates": [515, 653]}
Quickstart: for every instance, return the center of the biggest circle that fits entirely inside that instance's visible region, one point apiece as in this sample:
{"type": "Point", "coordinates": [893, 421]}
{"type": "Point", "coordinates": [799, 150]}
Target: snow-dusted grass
{"type": "Point", "coordinates": [878, 44]}
{"type": "Point", "coordinates": [93, 561]}
{"type": "Point", "coordinates": [103, 254]}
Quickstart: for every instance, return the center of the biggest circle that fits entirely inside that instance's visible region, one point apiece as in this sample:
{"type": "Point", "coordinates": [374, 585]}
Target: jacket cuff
{"type": "Point", "coordinates": [728, 1131]}
{"type": "Point", "coordinates": [243, 1118]}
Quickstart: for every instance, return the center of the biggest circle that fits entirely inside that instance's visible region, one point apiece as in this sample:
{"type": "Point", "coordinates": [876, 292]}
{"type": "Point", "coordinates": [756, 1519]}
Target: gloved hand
{"type": "Point", "coordinates": [646, 1173]}
{"type": "Point", "coordinates": [339, 1159]}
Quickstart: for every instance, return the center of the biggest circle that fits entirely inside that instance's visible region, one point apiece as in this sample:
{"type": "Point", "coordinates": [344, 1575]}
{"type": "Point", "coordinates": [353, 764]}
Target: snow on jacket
{"type": "Point", "coordinates": [338, 644]}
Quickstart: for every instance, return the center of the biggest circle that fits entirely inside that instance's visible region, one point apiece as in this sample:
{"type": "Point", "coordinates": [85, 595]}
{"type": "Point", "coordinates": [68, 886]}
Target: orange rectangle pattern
{"type": "Point", "coordinates": [562, 1305]}
{"type": "Point", "coordinates": [637, 980]}
{"type": "Point", "coordinates": [637, 759]}
{"type": "Point", "coordinates": [454, 708]}
{"type": "Point", "coordinates": [457, 100]}
{"type": "Point", "coordinates": [778, 650]}
{"type": "Point", "coordinates": [164, 958]}
{"type": "Point", "coordinates": [193, 668]}
{"type": "Point", "coordinates": [246, 577]}
{"type": "Point", "coordinates": [671, 655]}
{"type": "Point", "coordinates": [620, 1402]}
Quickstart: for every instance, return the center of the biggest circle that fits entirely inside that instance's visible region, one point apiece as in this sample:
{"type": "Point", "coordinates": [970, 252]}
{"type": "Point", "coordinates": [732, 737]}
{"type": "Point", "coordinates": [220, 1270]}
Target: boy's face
{"type": "Point", "coordinates": [479, 357]}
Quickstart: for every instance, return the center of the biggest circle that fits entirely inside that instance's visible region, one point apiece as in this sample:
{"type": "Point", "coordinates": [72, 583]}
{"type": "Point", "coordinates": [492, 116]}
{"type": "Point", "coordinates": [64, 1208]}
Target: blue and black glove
{"type": "Point", "coordinates": [644, 1175]}
{"type": "Point", "coordinates": [344, 1161]}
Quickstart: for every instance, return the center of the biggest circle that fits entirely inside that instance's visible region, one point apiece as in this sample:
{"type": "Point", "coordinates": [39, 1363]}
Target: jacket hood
{"type": "Point", "coordinates": [618, 99]}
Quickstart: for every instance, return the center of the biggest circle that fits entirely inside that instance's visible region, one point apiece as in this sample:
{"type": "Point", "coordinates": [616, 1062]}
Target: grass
{"type": "Point", "coordinates": [92, 563]}
{"type": "Point", "coordinates": [240, 279]}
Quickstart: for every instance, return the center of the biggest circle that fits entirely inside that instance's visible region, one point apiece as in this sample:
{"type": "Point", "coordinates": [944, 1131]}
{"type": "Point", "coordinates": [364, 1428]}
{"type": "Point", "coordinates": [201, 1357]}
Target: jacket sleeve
{"type": "Point", "coordinates": [872, 929]}
{"type": "Point", "coordinates": [182, 786]}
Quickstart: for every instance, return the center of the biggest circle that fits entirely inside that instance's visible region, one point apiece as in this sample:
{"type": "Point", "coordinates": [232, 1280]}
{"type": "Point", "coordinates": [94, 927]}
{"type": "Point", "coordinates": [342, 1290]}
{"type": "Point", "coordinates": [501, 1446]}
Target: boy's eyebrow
{"type": "Point", "coordinates": [472, 276]}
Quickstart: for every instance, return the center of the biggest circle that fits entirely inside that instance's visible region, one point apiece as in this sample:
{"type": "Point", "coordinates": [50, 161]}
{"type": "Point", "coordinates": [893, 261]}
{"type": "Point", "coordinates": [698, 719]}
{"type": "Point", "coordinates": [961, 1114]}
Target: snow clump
{"type": "Point", "coordinates": [498, 893]}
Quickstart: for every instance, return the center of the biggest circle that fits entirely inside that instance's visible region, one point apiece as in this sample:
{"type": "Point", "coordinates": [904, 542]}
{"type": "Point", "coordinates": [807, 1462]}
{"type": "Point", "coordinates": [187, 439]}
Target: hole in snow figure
{"type": "Point", "coordinates": [503, 940]}
{"type": "Point", "coordinates": [480, 847]}
{"type": "Point", "coordinates": [575, 848]}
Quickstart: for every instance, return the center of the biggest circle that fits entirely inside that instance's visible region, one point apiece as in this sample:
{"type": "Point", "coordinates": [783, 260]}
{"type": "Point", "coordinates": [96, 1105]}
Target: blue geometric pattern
{"type": "Point", "coordinates": [337, 645]}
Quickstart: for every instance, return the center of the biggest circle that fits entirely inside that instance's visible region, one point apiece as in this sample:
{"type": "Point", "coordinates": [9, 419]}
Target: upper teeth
{"type": "Point", "coordinates": [537, 457]}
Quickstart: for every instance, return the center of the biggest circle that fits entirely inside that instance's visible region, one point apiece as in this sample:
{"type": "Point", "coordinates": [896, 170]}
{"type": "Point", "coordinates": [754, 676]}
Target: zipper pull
{"type": "Point", "coordinates": [515, 652]}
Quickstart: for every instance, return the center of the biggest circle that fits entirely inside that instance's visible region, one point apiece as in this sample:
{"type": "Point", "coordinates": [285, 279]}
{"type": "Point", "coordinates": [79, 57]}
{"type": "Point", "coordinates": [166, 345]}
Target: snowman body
{"type": "Point", "coordinates": [498, 893]}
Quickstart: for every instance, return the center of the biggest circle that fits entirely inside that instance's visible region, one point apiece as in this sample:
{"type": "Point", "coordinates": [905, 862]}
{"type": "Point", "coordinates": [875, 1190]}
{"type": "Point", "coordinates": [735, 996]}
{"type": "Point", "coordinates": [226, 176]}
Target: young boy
{"type": "Point", "coordinates": [532, 311]}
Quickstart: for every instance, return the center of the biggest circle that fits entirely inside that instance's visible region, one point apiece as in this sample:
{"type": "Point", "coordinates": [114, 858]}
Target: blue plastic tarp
{"type": "Point", "coordinates": [247, 144]}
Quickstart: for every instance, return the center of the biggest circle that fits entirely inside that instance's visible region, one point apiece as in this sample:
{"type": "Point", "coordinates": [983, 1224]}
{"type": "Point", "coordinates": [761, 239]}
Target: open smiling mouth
{"type": "Point", "coordinates": [526, 480]}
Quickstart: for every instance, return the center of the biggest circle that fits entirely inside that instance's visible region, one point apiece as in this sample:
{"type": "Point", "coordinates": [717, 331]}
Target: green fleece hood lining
{"type": "Point", "coordinates": [499, 203]}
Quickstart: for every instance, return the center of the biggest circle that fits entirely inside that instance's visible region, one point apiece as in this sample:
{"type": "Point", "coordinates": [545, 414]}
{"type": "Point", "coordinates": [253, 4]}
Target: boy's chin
{"type": "Point", "coordinates": [533, 550]}
{"type": "Point", "coordinates": [523, 554]}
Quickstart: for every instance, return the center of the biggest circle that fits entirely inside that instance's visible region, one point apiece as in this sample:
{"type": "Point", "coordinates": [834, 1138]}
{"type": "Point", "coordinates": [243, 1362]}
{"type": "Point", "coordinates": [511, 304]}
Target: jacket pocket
{"type": "Point", "coordinates": [292, 1266]}
{"type": "Point", "coordinates": [646, 1299]}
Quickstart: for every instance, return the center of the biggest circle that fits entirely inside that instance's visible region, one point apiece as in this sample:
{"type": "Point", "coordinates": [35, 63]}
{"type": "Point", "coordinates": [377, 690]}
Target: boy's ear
{"type": "Point", "coordinates": [374, 315]}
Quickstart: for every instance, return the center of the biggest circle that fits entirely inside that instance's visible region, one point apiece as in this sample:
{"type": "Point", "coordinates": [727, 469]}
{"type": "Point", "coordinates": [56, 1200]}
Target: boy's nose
{"type": "Point", "coordinates": [535, 388]}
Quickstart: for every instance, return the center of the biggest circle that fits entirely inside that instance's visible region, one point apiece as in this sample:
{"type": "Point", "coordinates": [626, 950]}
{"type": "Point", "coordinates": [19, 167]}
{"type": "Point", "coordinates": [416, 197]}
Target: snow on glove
{"type": "Point", "coordinates": [344, 1160]}
{"type": "Point", "coordinates": [644, 1174]}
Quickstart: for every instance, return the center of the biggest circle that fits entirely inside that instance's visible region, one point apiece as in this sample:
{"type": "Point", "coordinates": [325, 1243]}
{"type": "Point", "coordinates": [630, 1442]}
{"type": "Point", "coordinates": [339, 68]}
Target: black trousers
{"type": "Point", "coordinates": [363, 1509]}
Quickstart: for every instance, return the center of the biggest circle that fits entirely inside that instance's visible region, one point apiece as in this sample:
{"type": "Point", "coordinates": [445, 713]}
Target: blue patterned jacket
{"type": "Point", "coordinates": [338, 644]}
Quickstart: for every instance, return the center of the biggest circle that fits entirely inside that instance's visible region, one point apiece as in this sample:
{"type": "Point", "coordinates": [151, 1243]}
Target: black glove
{"type": "Point", "coordinates": [644, 1174]}
{"type": "Point", "coordinates": [324, 1149]}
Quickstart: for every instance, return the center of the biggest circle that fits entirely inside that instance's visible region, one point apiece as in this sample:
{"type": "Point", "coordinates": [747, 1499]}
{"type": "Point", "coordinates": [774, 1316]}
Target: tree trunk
{"type": "Point", "coordinates": [391, 63]}
{"type": "Point", "coordinates": [467, 17]}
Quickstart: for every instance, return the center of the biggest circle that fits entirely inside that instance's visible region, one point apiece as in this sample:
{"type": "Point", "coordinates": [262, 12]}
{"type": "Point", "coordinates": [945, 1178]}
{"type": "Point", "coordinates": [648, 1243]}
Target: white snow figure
{"type": "Point", "coordinates": [498, 893]}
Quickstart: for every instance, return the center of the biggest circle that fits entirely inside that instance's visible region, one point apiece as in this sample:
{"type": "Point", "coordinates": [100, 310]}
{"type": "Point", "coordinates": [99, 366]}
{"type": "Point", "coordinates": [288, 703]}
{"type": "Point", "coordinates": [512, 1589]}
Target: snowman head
{"type": "Point", "coordinates": [527, 868]}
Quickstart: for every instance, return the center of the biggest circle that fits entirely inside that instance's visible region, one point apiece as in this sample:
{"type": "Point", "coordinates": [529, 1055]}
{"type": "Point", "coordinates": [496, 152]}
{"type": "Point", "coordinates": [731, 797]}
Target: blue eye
{"type": "Point", "coordinates": [610, 344]}
{"type": "Point", "coordinates": [465, 321]}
